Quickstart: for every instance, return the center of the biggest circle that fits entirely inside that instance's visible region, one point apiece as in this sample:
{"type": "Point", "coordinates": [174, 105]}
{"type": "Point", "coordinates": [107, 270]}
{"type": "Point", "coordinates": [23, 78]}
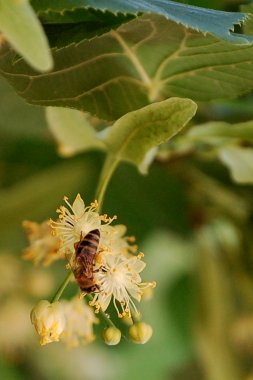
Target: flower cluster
{"type": "Point", "coordinates": [109, 268]}
{"type": "Point", "coordinates": [44, 247]}
{"type": "Point", "coordinates": [69, 321]}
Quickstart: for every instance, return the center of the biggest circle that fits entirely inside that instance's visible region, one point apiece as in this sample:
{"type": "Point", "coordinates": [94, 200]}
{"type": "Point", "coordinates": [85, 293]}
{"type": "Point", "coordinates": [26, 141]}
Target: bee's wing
{"type": "Point", "coordinates": [71, 257]}
{"type": "Point", "coordinates": [86, 261]}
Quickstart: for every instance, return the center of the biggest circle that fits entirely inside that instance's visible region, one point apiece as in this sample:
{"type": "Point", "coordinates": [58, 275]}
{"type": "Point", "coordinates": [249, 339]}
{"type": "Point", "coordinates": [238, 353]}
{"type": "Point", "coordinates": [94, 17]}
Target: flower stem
{"type": "Point", "coordinates": [62, 287]}
{"type": "Point", "coordinates": [102, 313]}
{"type": "Point", "coordinates": [108, 169]}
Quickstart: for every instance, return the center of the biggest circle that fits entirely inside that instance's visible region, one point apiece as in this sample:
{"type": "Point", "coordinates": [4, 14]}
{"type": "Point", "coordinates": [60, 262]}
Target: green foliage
{"type": "Point", "coordinates": [20, 26]}
{"type": "Point", "coordinates": [240, 162]}
{"type": "Point", "coordinates": [248, 27]}
{"type": "Point", "coordinates": [72, 130]}
{"type": "Point", "coordinates": [139, 66]}
{"type": "Point", "coordinates": [222, 132]}
{"type": "Point", "coordinates": [217, 23]}
{"type": "Point", "coordinates": [133, 136]}
{"type": "Point", "coordinates": [229, 141]}
{"type": "Point", "coordinates": [145, 60]}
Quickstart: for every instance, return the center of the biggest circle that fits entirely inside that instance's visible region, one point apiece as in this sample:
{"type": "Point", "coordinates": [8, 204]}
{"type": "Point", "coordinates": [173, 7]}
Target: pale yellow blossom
{"type": "Point", "coordinates": [48, 320]}
{"type": "Point", "coordinates": [113, 240]}
{"type": "Point", "coordinates": [76, 221]}
{"type": "Point", "coordinates": [116, 268]}
{"type": "Point", "coordinates": [79, 323]}
{"type": "Point", "coordinates": [120, 281]}
{"type": "Point", "coordinates": [44, 247]}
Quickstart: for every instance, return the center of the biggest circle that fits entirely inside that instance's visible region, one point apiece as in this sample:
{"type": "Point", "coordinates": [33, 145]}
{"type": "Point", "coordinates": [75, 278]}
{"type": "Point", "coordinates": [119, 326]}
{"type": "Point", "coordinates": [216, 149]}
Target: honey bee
{"type": "Point", "coordinates": [86, 250]}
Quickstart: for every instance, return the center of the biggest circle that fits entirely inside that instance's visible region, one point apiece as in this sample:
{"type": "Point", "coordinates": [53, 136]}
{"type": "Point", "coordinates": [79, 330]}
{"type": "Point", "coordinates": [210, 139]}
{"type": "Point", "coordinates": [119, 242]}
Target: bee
{"type": "Point", "coordinates": [86, 250]}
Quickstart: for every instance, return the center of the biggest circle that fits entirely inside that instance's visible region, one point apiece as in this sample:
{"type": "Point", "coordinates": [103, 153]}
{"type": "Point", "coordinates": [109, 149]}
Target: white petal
{"type": "Point", "coordinates": [120, 229]}
{"type": "Point", "coordinates": [104, 301]}
{"type": "Point", "coordinates": [135, 292]}
{"type": "Point", "coordinates": [110, 260]}
{"type": "Point", "coordinates": [78, 206]}
{"type": "Point", "coordinates": [136, 264]}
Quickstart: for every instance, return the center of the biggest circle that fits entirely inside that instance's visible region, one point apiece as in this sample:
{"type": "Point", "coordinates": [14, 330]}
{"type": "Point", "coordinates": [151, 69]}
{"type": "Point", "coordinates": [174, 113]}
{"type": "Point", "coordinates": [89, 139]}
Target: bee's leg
{"type": "Point", "coordinates": [82, 295]}
{"type": "Point", "coordinates": [98, 288]}
{"type": "Point", "coordinates": [102, 268]}
{"type": "Point", "coordinates": [76, 244]}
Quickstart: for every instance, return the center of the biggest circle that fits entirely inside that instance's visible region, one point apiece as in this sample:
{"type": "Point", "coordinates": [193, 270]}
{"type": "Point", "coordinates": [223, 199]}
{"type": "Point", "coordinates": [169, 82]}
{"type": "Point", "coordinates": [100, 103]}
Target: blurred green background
{"type": "Point", "coordinates": [195, 232]}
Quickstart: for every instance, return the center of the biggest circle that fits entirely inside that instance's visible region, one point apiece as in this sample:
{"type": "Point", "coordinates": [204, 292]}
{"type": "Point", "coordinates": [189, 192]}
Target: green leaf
{"type": "Point", "coordinates": [219, 132]}
{"type": "Point", "coordinates": [72, 130]}
{"type": "Point", "coordinates": [217, 23]}
{"type": "Point", "coordinates": [133, 136]}
{"type": "Point", "coordinates": [148, 59]}
{"type": "Point", "coordinates": [239, 162]}
{"type": "Point", "coordinates": [74, 13]}
{"type": "Point", "coordinates": [248, 26]}
{"type": "Point", "coordinates": [21, 27]}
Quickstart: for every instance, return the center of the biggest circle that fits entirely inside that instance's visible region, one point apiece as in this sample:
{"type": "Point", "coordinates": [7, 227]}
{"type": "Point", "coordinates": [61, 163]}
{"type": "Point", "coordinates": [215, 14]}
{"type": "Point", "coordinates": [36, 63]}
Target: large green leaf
{"type": "Point", "coordinates": [217, 23]}
{"type": "Point", "coordinates": [136, 133]}
{"type": "Point", "coordinates": [20, 26]}
{"type": "Point", "coordinates": [248, 27]}
{"type": "Point", "coordinates": [145, 60]}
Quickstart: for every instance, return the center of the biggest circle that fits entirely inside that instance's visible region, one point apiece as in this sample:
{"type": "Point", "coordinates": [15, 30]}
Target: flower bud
{"type": "Point", "coordinates": [111, 336]}
{"type": "Point", "coordinates": [140, 332]}
{"type": "Point", "coordinates": [48, 320]}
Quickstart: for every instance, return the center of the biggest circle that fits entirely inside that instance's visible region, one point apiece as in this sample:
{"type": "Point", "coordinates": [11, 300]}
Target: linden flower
{"type": "Point", "coordinates": [44, 247]}
{"type": "Point", "coordinates": [76, 221]}
{"type": "Point", "coordinates": [120, 281]}
{"type": "Point", "coordinates": [48, 320]}
{"type": "Point", "coordinates": [113, 240]}
{"type": "Point", "coordinates": [79, 323]}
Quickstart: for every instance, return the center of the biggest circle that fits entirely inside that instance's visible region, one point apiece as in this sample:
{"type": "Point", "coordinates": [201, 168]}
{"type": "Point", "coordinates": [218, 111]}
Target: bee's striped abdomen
{"type": "Point", "coordinates": [86, 250]}
{"type": "Point", "coordinates": [89, 244]}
